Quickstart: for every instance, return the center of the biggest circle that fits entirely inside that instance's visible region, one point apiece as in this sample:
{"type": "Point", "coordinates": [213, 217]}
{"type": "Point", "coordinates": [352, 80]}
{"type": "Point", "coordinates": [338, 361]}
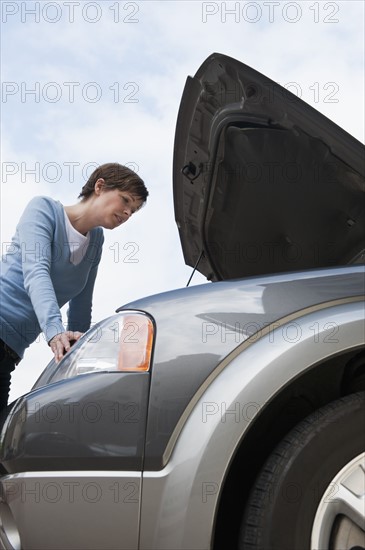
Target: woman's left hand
{"type": "Point", "coordinates": [61, 343]}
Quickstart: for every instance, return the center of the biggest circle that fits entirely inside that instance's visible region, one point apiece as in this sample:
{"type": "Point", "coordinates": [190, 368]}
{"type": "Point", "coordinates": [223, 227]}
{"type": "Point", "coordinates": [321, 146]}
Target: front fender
{"type": "Point", "coordinates": [180, 502]}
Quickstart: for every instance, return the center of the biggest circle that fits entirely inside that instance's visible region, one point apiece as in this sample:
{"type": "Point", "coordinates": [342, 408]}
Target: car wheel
{"type": "Point", "coordinates": [310, 493]}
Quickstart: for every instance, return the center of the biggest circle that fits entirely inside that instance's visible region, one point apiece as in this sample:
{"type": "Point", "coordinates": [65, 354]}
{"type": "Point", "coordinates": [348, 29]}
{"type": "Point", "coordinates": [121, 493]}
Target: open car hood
{"type": "Point", "coordinates": [263, 183]}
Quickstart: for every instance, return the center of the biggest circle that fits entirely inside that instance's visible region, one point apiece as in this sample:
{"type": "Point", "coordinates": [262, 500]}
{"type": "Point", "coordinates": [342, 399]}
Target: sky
{"type": "Point", "coordinates": [84, 83]}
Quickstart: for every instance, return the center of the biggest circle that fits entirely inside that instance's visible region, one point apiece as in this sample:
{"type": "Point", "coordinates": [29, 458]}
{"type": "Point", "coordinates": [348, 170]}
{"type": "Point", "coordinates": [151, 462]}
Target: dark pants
{"type": "Point", "coordinates": [8, 360]}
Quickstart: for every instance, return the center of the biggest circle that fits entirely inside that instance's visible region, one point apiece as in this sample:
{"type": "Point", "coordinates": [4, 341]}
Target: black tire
{"type": "Point", "coordinates": [285, 497]}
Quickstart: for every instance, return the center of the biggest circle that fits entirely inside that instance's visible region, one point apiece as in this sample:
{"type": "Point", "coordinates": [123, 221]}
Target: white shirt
{"type": "Point", "coordinates": [78, 243]}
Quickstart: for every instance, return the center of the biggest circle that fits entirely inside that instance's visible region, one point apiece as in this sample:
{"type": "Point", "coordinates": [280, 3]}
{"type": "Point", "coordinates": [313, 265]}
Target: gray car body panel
{"type": "Point", "coordinates": [217, 318]}
{"type": "Point", "coordinates": [180, 502]}
{"type": "Point", "coordinates": [89, 422]}
{"type": "Point", "coordinates": [70, 510]}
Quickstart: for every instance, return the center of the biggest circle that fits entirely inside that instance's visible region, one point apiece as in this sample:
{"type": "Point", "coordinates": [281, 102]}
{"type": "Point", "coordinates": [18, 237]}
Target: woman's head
{"type": "Point", "coordinates": [115, 176]}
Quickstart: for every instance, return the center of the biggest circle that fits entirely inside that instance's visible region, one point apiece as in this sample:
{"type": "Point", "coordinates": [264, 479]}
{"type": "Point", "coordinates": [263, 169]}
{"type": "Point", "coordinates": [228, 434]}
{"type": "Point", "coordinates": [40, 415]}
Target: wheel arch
{"type": "Point", "coordinates": [302, 396]}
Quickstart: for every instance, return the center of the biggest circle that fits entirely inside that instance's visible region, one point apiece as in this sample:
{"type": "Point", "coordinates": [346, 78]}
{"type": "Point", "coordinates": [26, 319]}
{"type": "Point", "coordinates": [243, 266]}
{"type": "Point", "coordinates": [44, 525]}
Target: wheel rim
{"type": "Point", "coordinates": [340, 518]}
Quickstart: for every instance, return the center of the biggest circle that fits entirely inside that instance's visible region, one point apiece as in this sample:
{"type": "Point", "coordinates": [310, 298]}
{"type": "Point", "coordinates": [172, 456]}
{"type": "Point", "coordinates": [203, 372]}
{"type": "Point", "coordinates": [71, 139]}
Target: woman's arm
{"type": "Point", "coordinates": [36, 233]}
{"type": "Point", "coordinates": [80, 307]}
{"type": "Point", "coordinates": [79, 311]}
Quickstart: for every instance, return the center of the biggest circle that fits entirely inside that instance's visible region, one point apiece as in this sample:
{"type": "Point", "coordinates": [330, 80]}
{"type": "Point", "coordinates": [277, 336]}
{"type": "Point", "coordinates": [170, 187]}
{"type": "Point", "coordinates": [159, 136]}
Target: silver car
{"type": "Point", "coordinates": [228, 415]}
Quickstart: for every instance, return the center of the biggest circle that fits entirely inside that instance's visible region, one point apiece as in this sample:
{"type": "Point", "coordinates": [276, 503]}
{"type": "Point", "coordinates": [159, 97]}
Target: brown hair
{"type": "Point", "coordinates": [116, 176]}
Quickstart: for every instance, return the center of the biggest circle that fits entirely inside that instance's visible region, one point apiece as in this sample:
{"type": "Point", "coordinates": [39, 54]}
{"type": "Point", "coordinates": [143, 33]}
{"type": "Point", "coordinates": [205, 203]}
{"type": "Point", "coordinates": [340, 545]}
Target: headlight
{"type": "Point", "coordinates": [122, 342]}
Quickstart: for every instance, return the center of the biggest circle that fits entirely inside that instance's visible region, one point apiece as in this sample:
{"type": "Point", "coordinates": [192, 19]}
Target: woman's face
{"type": "Point", "coordinates": [114, 207]}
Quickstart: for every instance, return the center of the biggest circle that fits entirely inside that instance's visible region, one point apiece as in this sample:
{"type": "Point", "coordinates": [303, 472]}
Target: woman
{"type": "Point", "coordinates": [53, 259]}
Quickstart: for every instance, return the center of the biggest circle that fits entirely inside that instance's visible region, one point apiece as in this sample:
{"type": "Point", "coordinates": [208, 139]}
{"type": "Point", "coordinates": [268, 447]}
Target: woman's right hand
{"type": "Point", "coordinates": [61, 343]}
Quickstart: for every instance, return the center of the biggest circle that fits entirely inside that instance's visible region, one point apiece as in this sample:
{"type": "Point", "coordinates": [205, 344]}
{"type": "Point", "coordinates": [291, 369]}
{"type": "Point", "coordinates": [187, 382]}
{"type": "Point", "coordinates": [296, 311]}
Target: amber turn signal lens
{"type": "Point", "coordinates": [135, 347]}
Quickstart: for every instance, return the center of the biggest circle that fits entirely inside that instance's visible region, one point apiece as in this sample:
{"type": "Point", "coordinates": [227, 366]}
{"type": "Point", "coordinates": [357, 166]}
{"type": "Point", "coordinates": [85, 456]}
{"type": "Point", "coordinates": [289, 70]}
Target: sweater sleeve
{"type": "Point", "coordinates": [36, 232]}
{"type": "Point", "coordinates": [80, 307]}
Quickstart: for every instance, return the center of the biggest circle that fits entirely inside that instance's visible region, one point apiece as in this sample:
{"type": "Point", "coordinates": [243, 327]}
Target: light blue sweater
{"type": "Point", "coordinates": [37, 277]}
